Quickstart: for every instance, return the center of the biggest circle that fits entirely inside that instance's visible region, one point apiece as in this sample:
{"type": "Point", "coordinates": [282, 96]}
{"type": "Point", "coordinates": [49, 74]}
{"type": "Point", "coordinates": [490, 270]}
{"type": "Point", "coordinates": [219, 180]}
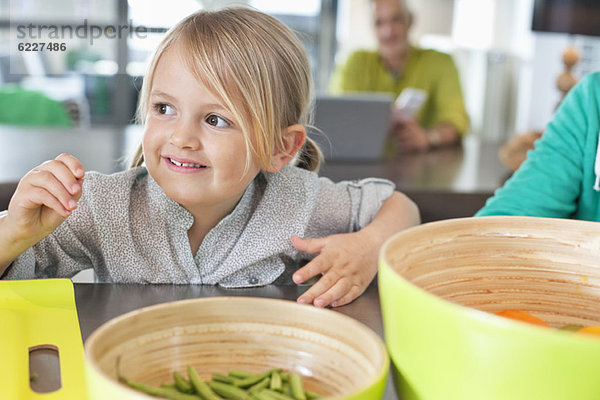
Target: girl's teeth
{"type": "Point", "coordinates": [185, 164]}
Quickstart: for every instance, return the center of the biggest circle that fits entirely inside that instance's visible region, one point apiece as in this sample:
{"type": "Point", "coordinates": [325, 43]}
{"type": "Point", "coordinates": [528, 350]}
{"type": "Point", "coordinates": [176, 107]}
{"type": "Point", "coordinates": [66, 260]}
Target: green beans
{"type": "Point", "coordinates": [273, 384]}
{"type": "Point", "coordinates": [236, 373]}
{"type": "Point", "coordinates": [175, 394]}
{"type": "Point", "coordinates": [142, 388]}
{"type": "Point", "coordinates": [276, 395]}
{"type": "Point", "coordinates": [253, 378]}
{"type": "Point", "coordinates": [311, 395]}
{"type": "Point", "coordinates": [297, 388]}
{"type": "Point", "coordinates": [201, 387]}
{"type": "Point", "coordinates": [182, 384]}
{"type": "Point", "coordinates": [222, 378]}
{"type": "Point", "coordinates": [164, 392]}
{"type": "Point", "coordinates": [228, 391]}
{"type": "Point", "coordinates": [265, 383]}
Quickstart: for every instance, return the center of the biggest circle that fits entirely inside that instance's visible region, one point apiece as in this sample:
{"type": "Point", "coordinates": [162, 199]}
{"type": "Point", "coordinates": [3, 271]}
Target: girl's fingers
{"type": "Point", "coordinates": [40, 196]}
{"type": "Point", "coordinates": [47, 181]}
{"type": "Point", "coordinates": [63, 173]}
{"type": "Point", "coordinates": [341, 287]}
{"type": "Point", "coordinates": [73, 164]}
{"type": "Point", "coordinates": [352, 294]}
{"type": "Point", "coordinates": [317, 266]}
{"type": "Point", "coordinates": [310, 246]}
{"type": "Point", "coordinates": [321, 286]}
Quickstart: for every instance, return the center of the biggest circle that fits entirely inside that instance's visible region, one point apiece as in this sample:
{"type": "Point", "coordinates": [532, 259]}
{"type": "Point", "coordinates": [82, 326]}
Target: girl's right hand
{"type": "Point", "coordinates": [44, 198]}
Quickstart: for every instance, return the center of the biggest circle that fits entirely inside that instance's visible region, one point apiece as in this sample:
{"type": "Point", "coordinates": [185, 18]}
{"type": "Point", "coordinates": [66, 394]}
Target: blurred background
{"type": "Point", "coordinates": [80, 95]}
{"type": "Point", "coordinates": [508, 70]}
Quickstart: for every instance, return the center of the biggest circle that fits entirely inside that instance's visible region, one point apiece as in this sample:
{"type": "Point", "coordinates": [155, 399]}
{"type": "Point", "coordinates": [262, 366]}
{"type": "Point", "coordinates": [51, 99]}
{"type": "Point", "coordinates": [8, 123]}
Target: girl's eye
{"type": "Point", "coordinates": [164, 109]}
{"type": "Point", "coordinates": [217, 121]}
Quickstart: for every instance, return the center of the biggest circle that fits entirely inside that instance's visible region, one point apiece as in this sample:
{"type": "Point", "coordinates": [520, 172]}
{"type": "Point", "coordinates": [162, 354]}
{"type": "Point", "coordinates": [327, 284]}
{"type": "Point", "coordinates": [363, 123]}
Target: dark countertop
{"type": "Point", "coordinates": [99, 302]}
{"type": "Point", "coordinates": [473, 167]}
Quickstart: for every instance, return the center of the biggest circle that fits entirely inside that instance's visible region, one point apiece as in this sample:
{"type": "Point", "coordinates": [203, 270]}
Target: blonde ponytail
{"type": "Point", "coordinates": [310, 156]}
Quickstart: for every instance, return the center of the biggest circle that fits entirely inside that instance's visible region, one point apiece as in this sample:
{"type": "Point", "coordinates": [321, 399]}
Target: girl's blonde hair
{"type": "Point", "coordinates": [256, 67]}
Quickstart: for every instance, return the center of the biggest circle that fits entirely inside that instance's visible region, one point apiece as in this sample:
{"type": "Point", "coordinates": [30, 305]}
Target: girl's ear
{"type": "Point", "coordinates": [293, 139]}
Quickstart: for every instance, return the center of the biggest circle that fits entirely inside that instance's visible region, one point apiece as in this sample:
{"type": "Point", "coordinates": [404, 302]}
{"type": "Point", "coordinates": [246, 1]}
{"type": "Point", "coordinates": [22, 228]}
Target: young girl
{"type": "Point", "coordinates": [214, 196]}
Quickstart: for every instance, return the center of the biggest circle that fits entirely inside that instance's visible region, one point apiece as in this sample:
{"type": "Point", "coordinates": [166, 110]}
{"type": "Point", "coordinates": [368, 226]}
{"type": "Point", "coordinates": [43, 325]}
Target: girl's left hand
{"type": "Point", "coordinates": [347, 261]}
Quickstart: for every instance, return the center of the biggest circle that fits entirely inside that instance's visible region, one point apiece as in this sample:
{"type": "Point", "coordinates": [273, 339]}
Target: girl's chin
{"type": "Point", "coordinates": [186, 199]}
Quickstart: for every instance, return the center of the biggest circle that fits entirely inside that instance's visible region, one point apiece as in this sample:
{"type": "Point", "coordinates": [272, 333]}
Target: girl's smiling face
{"type": "Point", "coordinates": [193, 148]}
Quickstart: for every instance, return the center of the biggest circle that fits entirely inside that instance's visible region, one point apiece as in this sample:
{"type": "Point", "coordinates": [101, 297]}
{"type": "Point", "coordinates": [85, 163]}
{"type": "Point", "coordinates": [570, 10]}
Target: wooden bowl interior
{"type": "Point", "coordinates": [334, 353]}
{"type": "Point", "coordinates": [549, 267]}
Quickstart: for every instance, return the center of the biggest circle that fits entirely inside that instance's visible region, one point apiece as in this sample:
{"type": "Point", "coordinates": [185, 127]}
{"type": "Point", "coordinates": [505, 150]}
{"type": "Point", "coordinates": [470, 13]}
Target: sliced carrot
{"type": "Point", "coordinates": [591, 330]}
{"type": "Point", "coordinates": [521, 315]}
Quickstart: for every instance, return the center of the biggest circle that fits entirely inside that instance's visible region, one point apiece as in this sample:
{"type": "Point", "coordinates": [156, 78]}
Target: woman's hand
{"type": "Point", "coordinates": [348, 263]}
{"type": "Point", "coordinates": [409, 136]}
{"type": "Point", "coordinates": [44, 198]}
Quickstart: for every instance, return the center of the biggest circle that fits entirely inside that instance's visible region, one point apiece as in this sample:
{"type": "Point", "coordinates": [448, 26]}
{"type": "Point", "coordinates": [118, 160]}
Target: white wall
{"type": "Point", "coordinates": [431, 17]}
{"type": "Point", "coordinates": [546, 65]}
{"type": "Point", "coordinates": [354, 28]}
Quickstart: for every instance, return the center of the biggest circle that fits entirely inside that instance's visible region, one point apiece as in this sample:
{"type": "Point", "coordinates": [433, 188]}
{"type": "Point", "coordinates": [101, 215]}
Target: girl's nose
{"type": "Point", "coordinates": [186, 137]}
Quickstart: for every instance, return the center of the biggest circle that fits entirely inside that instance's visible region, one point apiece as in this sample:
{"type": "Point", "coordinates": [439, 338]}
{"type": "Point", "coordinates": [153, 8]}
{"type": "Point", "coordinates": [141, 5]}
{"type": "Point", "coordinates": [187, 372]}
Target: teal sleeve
{"type": "Point", "coordinates": [549, 182]}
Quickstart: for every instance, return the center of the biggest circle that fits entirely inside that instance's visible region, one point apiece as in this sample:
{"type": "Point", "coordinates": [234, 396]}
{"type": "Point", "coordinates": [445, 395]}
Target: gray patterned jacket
{"type": "Point", "coordinates": [128, 230]}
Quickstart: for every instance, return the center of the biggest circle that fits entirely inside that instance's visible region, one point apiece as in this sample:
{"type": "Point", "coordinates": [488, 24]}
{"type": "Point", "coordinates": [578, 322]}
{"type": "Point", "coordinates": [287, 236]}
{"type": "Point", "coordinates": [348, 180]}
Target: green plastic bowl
{"type": "Point", "coordinates": [441, 282]}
